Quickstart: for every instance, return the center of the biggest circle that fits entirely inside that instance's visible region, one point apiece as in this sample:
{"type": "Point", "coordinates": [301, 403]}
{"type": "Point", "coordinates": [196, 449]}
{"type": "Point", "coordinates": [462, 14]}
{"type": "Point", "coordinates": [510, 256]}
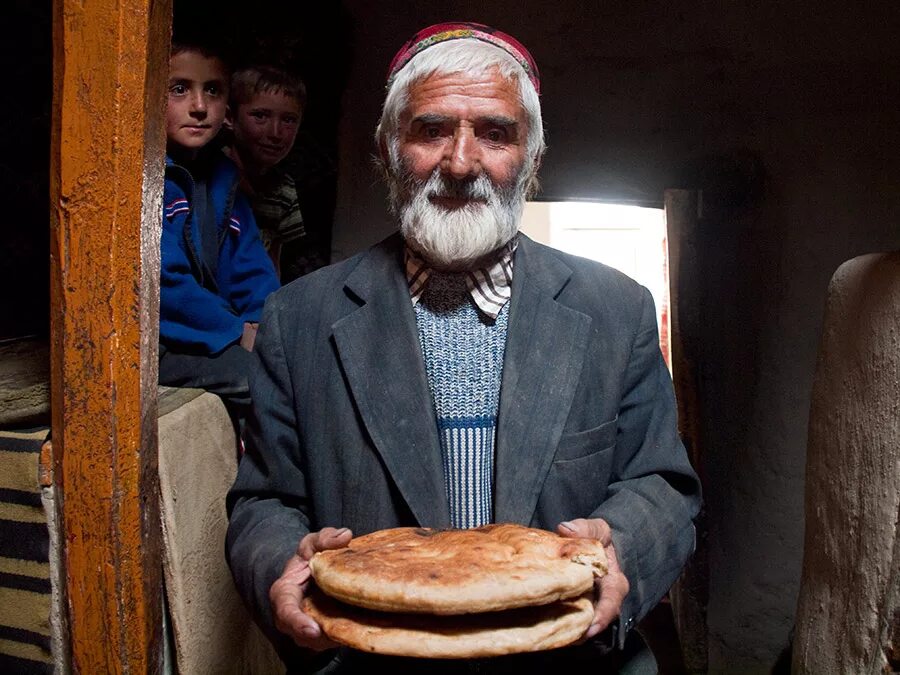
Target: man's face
{"type": "Point", "coordinates": [465, 126]}
{"type": "Point", "coordinates": [265, 129]}
{"type": "Point", "coordinates": [460, 170]}
{"type": "Point", "coordinates": [197, 96]}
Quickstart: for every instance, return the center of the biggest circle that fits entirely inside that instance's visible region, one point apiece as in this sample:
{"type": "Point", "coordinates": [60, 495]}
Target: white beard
{"type": "Point", "coordinates": [457, 238]}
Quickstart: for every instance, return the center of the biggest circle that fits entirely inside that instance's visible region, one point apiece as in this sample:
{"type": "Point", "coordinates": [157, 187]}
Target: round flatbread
{"type": "Point", "coordinates": [527, 629]}
{"type": "Point", "coordinates": [447, 572]}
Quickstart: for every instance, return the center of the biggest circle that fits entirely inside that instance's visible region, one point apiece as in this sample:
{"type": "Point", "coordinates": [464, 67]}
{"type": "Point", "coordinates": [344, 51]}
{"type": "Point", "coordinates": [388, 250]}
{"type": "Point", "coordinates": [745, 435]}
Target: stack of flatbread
{"type": "Point", "coordinates": [488, 591]}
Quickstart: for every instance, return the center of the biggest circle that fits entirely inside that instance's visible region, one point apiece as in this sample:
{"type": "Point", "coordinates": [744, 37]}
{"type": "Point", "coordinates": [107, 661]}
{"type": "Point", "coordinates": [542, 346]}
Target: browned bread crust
{"type": "Point", "coordinates": [485, 569]}
{"type": "Point", "coordinates": [512, 631]}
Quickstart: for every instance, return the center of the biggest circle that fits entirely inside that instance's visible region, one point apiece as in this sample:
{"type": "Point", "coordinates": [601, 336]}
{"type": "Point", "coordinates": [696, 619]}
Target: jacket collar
{"type": "Point", "coordinates": [489, 286]}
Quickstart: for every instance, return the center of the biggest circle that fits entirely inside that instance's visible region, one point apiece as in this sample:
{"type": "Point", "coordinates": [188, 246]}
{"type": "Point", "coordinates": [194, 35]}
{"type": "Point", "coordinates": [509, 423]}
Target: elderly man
{"type": "Point", "coordinates": [458, 374]}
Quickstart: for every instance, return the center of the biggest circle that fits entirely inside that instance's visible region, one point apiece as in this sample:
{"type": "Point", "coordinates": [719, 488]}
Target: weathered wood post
{"type": "Point", "coordinates": [690, 595]}
{"type": "Point", "coordinates": [110, 64]}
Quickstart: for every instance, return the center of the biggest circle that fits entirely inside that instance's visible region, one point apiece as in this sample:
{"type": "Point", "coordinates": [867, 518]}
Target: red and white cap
{"type": "Point", "coordinates": [462, 30]}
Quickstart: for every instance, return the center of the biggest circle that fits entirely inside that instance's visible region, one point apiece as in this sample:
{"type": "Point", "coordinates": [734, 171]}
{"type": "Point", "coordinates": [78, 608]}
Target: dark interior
{"type": "Point", "coordinates": [783, 115]}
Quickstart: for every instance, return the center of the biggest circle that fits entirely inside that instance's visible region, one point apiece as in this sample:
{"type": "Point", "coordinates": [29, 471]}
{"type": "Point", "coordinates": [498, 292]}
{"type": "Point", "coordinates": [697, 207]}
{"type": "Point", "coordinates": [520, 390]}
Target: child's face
{"type": "Point", "coordinates": [198, 93]}
{"type": "Point", "coordinates": [265, 128]}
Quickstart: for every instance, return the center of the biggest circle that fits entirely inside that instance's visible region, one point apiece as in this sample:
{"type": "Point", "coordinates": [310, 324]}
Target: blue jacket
{"type": "Point", "coordinates": [203, 311]}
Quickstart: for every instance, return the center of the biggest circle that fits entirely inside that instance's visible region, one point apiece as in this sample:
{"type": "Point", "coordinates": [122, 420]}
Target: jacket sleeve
{"type": "Point", "coordinates": [253, 275]}
{"type": "Point", "coordinates": [654, 494]}
{"type": "Point", "coordinates": [268, 505]}
{"type": "Point", "coordinates": [190, 316]}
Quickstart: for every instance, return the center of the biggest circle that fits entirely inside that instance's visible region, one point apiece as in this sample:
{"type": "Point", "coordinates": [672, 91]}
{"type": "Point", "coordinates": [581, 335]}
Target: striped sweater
{"type": "Point", "coordinates": [463, 353]}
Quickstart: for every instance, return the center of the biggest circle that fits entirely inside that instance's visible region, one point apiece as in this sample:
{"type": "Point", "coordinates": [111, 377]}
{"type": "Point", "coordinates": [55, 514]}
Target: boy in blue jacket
{"type": "Point", "coordinates": [215, 272]}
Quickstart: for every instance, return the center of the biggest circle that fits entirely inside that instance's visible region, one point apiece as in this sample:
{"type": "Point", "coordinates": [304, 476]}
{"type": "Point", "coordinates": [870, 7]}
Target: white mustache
{"type": "Point", "coordinates": [479, 188]}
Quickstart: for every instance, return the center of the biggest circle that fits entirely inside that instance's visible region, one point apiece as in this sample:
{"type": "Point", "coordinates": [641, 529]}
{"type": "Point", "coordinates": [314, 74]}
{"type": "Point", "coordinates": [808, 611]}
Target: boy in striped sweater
{"type": "Point", "coordinates": [215, 273]}
{"type": "Point", "coordinates": [266, 106]}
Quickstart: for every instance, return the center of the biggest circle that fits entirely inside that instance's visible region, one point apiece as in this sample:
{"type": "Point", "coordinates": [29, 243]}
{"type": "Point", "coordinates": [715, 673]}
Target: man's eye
{"type": "Point", "coordinates": [214, 90]}
{"type": "Point", "coordinates": [290, 119]}
{"type": "Point", "coordinates": [496, 135]}
{"type": "Point", "coordinates": [258, 114]}
{"type": "Point", "coordinates": [431, 132]}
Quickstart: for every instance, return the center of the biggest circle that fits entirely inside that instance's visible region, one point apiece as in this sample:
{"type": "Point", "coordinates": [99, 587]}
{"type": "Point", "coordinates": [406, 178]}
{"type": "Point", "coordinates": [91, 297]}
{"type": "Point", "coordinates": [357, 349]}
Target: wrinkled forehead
{"type": "Point", "coordinates": [464, 97]}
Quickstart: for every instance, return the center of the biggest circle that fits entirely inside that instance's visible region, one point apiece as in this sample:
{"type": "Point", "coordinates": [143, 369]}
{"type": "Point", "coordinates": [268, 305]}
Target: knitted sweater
{"type": "Point", "coordinates": [464, 362]}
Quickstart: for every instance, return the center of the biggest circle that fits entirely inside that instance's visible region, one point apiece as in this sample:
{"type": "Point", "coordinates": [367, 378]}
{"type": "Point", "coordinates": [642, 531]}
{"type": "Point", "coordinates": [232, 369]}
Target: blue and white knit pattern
{"type": "Point", "coordinates": [463, 353]}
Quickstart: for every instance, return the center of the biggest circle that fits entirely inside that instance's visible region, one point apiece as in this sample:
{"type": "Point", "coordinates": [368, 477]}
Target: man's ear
{"type": "Point", "coordinates": [229, 119]}
{"type": "Point", "coordinates": [534, 184]}
{"type": "Point", "coordinates": [538, 157]}
{"type": "Point", "coordinates": [383, 152]}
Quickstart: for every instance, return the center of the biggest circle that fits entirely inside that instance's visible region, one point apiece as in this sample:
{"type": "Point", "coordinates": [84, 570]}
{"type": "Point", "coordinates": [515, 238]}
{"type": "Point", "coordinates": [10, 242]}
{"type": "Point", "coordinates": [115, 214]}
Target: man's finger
{"type": "Point", "coordinates": [613, 589]}
{"type": "Point", "coordinates": [291, 620]}
{"type": "Point", "coordinates": [286, 596]}
{"type": "Point", "coordinates": [324, 539]}
{"type": "Point", "coordinates": [590, 528]}
{"type": "Point", "coordinates": [295, 565]}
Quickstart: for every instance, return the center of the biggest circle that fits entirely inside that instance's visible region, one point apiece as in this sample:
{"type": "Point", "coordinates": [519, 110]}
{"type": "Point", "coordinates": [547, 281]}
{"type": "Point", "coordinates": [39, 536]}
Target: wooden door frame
{"type": "Point", "coordinates": [110, 61]}
{"type": "Point", "coordinates": [690, 595]}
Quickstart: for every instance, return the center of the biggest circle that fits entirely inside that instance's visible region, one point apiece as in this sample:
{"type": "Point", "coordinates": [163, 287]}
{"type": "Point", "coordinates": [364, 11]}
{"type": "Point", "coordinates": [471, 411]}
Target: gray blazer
{"type": "Point", "coordinates": [343, 431]}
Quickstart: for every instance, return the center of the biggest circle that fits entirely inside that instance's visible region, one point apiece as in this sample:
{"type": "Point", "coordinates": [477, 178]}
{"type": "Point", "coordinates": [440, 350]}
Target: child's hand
{"type": "Point", "coordinates": [249, 335]}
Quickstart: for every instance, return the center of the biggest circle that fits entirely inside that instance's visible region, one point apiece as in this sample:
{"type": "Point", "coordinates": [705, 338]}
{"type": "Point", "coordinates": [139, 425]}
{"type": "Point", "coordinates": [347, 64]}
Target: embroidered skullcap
{"type": "Point", "coordinates": [442, 32]}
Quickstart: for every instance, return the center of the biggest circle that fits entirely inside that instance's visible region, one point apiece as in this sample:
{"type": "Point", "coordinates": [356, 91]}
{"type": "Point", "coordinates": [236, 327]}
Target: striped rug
{"type": "Point", "coordinates": [24, 557]}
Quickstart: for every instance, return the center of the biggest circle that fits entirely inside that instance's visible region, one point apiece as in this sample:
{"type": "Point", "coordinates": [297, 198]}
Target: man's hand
{"type": "Point", "coordinates": [286, 594]}
{"type": "Point", "coordinates": [613, 587]}
{"type": "Point", "coordinates": [248, 337]}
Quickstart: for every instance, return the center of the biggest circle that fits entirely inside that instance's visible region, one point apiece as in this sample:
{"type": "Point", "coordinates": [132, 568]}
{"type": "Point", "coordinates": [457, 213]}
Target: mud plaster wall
{"type": "Point", "coordinates": [786, 116]}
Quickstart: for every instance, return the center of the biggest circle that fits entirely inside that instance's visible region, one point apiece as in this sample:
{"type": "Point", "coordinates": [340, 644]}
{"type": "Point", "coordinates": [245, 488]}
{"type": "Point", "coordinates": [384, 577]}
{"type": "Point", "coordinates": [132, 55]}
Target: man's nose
{"type": "Point", "coordinates": [463, 156]}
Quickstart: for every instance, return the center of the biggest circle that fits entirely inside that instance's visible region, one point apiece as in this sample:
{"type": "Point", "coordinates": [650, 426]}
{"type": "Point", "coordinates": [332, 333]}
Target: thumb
{"type": "Point", "coordinates": [324, 539]}
{"type": "Point", "coordinates": [589, 528]}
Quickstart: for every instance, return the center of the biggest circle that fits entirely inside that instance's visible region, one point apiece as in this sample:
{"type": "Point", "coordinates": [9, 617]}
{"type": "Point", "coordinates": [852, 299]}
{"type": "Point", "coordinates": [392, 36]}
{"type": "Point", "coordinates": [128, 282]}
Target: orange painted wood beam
{"type": "Point", "coordinates": [107, 149]}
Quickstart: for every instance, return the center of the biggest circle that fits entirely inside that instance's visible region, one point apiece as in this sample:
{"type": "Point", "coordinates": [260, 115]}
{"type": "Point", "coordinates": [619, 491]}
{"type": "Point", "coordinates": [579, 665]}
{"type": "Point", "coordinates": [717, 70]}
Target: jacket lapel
{"type": "Point", "coordinates": [379, 350]}
{"type": "Point", "coordinates": [544, 353]}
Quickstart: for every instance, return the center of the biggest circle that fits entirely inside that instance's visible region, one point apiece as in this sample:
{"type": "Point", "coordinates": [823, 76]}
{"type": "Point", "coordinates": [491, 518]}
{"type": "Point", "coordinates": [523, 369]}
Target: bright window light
{"type": "Point", "coordinates": [630, 238]}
